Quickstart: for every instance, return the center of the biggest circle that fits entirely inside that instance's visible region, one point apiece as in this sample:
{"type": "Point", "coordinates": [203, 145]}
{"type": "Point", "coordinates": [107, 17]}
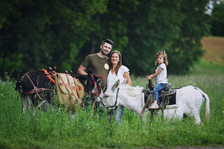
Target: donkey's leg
{"type": "Point", "coordinates": [195, 107]}
{"type": "Point", "coordinates": [195, 113]}
{"type": "Point", "coordinates": [24, 104]}
{"type": "Point", "coordinates": [44, 105]}
{"type": "Point", "coordinates": [179, 114]}
{"type": "Point", "coordinates": [145, 117]}
{"type": "Point", "coordinates": [197, 118]}
{"type": "Point", "coordinates": [30, 104]}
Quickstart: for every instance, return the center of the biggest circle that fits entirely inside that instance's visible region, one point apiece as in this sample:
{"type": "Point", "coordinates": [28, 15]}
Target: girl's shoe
{"type": "Point", "coordinates": [154, 106]}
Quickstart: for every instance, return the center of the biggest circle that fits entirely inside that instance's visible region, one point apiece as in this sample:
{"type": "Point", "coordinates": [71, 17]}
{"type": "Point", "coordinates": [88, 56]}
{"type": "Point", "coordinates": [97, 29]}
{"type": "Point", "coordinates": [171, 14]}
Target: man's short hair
{"type": "Point", "coordinates": [108, 41]}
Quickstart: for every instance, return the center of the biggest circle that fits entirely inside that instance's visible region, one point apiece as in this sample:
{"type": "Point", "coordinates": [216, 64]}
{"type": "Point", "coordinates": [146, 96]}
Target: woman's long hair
{"type": "Point", "coordinates": [119, 62]}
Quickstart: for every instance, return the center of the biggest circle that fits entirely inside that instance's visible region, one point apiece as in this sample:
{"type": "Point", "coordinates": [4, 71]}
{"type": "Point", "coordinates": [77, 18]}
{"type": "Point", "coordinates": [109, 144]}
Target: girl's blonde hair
{"type": "Point", "coordinates": [163, 54]}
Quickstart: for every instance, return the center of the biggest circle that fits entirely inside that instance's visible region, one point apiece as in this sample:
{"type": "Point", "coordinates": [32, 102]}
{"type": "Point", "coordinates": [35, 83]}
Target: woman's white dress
{"type": "Point", "coordinates": [112, 78]}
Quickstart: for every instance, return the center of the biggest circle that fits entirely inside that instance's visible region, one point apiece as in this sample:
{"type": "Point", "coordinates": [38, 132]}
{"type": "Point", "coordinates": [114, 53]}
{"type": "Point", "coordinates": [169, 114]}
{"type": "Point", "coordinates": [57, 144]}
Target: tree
{"type": "Point", "coordinates": [217, 19]}
{"type": "Point", "coordinates": [141, 28]}
{"type": "Point", "coordinates": [186, 49]}
{"type": "Point", "coordinates": [38, 34]}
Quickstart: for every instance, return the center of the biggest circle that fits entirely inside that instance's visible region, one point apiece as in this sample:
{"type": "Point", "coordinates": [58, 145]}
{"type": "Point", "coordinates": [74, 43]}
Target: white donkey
{"type": "Point", "coordinates": [189, 100]}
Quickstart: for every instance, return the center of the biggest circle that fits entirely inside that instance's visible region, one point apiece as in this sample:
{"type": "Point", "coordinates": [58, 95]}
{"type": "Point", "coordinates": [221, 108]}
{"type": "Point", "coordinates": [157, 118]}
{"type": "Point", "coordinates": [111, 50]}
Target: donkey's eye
{"type": "Point", "coordinates": [106, 96]}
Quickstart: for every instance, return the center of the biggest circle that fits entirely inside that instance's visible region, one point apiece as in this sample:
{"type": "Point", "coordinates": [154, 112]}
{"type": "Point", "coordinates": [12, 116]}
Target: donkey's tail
{"type": "Point", "coordinates": [207, 107]}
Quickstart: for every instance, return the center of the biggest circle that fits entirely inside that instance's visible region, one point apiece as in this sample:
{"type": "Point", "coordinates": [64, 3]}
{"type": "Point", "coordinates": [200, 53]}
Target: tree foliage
{"type": "Point", "coordinates": [217, 24]}
{"type": "Point", "coordinates": [38, 34]}
{"type": "Point", "coordinates": [141, 28]}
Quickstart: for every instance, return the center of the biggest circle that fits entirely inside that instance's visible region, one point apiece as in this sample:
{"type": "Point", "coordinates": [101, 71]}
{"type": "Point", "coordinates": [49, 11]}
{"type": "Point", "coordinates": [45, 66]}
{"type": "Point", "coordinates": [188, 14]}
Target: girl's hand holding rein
{"type": "Point", "coordinates": [155, 74]}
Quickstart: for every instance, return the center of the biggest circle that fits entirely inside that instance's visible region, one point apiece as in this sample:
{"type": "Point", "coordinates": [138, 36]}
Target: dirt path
{"type": "Point", "coordinates": [214, 47]}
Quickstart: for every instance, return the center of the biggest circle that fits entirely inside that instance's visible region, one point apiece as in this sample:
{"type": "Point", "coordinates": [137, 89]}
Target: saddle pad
{"type": "Point", "coordinates": [70, 91]}
{"type": "Point", "coordinates": [170, 99]}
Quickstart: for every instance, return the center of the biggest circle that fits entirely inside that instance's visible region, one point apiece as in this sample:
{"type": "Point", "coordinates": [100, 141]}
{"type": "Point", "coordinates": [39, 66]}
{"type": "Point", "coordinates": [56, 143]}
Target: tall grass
{"type": "Point", "coordinates": [59, 130]}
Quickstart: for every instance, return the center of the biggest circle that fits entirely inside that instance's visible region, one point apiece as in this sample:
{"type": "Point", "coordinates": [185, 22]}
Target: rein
{"type": "Point", "coordinates": [115, 101]}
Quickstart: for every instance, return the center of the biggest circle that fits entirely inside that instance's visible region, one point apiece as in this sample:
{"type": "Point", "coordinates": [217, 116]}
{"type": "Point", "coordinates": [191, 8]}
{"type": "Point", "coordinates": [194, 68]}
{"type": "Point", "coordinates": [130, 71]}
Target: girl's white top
{"type": "Point", "coordinates": [112, 78]}
{"type": "Point", "coordinates": [162, 76]}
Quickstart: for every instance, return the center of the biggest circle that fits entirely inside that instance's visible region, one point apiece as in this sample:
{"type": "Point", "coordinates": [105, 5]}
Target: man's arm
{"type": "Point", "coordinates": [81, 70]}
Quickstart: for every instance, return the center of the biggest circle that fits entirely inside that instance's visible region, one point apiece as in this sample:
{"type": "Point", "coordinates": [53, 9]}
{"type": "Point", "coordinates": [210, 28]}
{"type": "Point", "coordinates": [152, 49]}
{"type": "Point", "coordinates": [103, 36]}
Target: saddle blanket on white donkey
{"type": "Point", "coordinates": [189, 100]}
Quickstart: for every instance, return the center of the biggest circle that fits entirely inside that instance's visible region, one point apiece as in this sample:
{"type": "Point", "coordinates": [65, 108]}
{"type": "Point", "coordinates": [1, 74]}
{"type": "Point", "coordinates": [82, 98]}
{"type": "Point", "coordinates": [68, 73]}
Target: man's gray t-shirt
{"type": "Point", "coordinates": [99, 66]}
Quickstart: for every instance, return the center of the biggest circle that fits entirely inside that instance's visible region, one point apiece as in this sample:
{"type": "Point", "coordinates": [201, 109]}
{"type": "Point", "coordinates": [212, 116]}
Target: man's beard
{"type": "Point", "coordinates": [103, 53]}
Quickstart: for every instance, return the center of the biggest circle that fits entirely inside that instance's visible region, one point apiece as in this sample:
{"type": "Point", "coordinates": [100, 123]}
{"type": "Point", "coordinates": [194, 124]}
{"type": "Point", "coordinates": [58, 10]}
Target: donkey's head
{"type": "Point", "coordinates": [91, 83]}
{"type": "Point", "coordinates": [109, 97]}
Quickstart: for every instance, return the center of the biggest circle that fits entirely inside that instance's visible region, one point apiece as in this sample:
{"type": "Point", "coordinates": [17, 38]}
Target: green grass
{"type": "Point", "coordinates": [207, 67]}
{"type": "Point", "coordinates": [58, 130]}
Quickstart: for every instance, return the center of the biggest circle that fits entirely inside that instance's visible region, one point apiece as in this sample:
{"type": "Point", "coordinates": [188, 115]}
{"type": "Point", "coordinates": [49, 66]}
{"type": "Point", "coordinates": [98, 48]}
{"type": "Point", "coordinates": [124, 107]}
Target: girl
{"type": "Point", "coordinates": [161, 76]}
{"type": "Point", "coordinates": [117, 71]}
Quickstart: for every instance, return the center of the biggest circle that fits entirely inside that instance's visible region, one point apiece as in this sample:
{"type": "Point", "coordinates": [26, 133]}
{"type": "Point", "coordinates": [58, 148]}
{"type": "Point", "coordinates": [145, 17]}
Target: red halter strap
{"type": "Point", "coordinates": [96, 90]}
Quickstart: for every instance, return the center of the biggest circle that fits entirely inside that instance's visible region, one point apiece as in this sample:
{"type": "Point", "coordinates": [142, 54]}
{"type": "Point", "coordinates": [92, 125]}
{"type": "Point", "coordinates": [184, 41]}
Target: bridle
{"type": "Point", "coordinates": [96, 89]}
{"type": "Point", "coordinates": [115, 104]}
{"type": "Point", "coordinates": [96, 92]}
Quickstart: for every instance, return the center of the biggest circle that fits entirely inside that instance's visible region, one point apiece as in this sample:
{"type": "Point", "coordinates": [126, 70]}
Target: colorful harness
{"type": "Point", "coordinates": [48, 75]}
{"type": "Point", "coordinates": [96, 90]}
{"type": "Point", "coordinates": [35, 89]}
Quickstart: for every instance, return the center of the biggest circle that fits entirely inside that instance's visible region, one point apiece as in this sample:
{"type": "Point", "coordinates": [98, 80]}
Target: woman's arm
{"type": "Point", "coordinates": [127, 76]}
{"type": "Point", "coordinates": [155, 74]}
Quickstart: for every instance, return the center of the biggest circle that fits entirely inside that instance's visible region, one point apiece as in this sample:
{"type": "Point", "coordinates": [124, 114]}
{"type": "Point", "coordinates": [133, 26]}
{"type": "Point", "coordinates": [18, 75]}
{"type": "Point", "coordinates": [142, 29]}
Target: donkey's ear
{"type": "Point", "coordinates": [116, 84]}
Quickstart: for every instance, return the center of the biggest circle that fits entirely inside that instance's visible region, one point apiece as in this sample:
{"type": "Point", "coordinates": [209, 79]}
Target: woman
{"type": "Point", "coordinates": [117, 71]}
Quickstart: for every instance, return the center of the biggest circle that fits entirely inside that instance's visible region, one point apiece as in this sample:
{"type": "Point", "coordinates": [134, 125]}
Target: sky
{"type": "Point", "coordinates": [210, 7]}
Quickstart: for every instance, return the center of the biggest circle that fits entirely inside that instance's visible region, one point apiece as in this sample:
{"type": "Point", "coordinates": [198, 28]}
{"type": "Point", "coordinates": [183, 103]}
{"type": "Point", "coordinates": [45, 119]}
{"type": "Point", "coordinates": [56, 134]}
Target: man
{"type": "Point", "coordinates": [98, 62]}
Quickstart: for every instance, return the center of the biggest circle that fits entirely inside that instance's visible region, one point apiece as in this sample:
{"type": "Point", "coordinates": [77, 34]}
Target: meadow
{"type": "Point", "coordinates": [53, 129]}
